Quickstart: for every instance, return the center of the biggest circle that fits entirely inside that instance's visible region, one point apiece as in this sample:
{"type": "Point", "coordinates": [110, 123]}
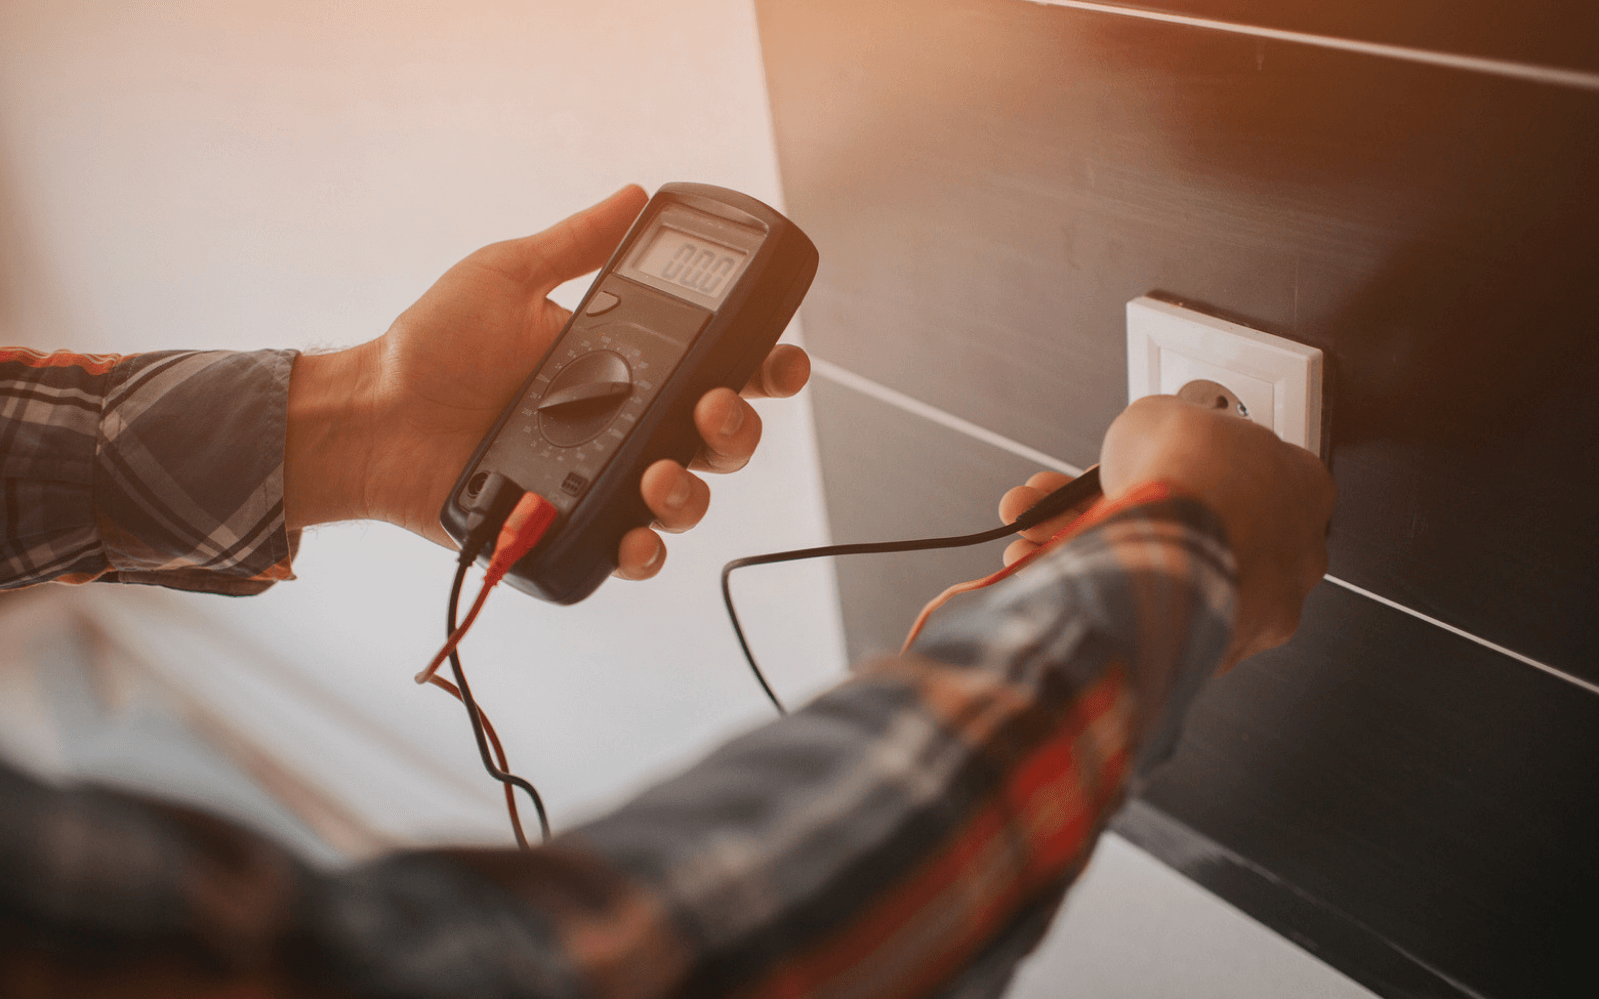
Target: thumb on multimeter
{"type": "Point", "coordinates": [577, 245]}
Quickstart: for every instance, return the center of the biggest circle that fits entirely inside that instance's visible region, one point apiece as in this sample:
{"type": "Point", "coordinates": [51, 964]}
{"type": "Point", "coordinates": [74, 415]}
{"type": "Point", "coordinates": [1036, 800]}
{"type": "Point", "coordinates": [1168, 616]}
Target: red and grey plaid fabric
{"type": "Point", "coordinates": [159, 468]}
{"type": "Point", "coordinates": [910, 833]}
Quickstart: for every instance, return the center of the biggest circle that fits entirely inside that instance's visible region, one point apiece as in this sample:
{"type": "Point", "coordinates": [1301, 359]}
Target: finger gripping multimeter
{"type": "Point", "coordinates": [694, 298]}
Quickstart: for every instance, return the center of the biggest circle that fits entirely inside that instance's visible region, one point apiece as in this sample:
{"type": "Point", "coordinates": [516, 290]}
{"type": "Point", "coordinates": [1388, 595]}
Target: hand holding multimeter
{"type": "Point", "coordinates": [425, 393]}
{"type": "Point", "coordinates": [692, 300]}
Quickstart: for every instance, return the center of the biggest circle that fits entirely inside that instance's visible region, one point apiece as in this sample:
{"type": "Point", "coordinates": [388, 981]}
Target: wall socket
{"type": "Point", "coordinates": [1276, 382]}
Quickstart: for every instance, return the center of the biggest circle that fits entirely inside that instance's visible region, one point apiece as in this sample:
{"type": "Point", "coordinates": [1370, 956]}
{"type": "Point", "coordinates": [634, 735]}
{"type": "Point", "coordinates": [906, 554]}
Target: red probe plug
{"type": "Point", "coordinates": [529, 519]}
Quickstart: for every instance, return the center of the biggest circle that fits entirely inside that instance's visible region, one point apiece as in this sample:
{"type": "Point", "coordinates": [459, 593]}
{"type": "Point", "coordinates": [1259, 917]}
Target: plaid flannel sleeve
{"type": "Point", "coordinates": [913, 832]}
{"type": "Point", "coordinates": [909, 834]}
{"type": "Point", "coordinates": [162, 468]}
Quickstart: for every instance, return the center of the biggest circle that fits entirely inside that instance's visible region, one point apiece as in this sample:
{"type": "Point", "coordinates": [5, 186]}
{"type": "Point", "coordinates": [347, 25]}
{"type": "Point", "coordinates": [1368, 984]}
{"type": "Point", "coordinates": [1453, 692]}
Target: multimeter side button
{"type": "Point", "coordinates": [601, 303]}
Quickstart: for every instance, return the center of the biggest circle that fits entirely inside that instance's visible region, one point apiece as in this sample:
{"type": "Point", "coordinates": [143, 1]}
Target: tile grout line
{"type": "Point", "coordinates": [1574, 78]}
{"type": "Point", "coordinates": [849, 379]}
{"type": "Point", "coordinates": [899, 400]}
{"type": "Point", "coordinates": [1578, 681]}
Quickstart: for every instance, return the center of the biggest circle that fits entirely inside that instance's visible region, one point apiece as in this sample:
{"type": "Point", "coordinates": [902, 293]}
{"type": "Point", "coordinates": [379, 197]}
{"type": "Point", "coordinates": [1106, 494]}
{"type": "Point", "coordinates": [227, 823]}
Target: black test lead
{"type": "Point", "coordinates": [1073, 493]}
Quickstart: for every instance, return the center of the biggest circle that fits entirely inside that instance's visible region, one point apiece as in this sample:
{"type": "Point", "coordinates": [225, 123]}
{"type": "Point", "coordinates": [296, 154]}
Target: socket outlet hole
{"type": "Point", "coordinates": [1214, 395]}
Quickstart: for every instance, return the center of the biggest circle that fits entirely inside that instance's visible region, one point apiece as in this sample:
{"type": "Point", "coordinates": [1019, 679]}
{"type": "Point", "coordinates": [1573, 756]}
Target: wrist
{"type": "Point", "coordinates": [329, 442]}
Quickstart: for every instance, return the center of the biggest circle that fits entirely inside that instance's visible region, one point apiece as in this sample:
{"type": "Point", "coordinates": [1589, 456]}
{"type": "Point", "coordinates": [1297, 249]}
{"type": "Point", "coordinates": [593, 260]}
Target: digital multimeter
{"type": "Point", "coordinates": [694, 298]}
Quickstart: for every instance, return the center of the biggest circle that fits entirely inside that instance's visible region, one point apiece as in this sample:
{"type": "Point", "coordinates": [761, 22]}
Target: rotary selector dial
{"type": "Point", "coordinates": [584, 397]}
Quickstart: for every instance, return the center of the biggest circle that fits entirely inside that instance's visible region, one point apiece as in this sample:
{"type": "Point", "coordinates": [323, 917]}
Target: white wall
{"type": "Point", "coordinates": [295, 174]}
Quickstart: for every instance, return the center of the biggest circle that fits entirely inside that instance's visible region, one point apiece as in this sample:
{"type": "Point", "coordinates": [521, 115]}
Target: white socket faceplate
{"type": "Point", "coordinates": [1277, 380]}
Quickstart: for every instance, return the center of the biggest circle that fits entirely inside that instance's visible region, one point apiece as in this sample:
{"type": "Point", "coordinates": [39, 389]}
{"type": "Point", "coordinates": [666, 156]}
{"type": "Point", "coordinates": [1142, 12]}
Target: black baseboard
{"type": "Point", "coordinates": [1330, 935]}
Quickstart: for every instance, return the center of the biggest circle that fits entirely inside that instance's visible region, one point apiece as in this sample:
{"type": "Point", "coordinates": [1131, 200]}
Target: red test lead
{"type": "Point", "coordinates": [1103, 509]}
{"type": "Point", "coordinates": [529, 519]}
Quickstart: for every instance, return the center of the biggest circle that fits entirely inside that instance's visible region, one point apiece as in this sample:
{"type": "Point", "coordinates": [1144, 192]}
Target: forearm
{"type": "Point", "coordinates": [182, 468]}
{"type": "Point", "coordinates": [911, 830]}
{"type": "Point", "coordinates": [918, 823]}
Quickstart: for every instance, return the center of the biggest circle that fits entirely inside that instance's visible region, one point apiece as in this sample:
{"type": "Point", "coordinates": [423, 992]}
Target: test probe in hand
{"type": "Point", "coordinates": [1081, 489]}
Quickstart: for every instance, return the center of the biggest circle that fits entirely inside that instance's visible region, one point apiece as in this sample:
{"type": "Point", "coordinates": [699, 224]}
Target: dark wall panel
{"type": "Point", "coordinates": [1440, 794]}
{"type": "Point", "coordinates": [991, 180]}
{"type": "Point", "coordinates": [936, 485]}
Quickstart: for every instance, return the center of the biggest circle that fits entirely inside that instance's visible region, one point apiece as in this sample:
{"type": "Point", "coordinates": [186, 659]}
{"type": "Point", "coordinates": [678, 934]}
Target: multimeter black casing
{"type": "Point", "coordinates": [617, 389]}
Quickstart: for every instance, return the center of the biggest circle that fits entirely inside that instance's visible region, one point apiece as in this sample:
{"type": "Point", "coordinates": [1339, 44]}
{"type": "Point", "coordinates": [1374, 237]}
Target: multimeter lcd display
{"type": "Point", "coordinates": [692, 256]}
{"type": "Point", "coordinates": [691, 262]}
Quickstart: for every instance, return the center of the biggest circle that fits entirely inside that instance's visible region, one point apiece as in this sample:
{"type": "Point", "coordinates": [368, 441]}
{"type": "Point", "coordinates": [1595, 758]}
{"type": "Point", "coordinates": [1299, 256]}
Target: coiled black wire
{"type": "Point", "coordinates": [469, 554]}
{"type": "Point", "coordinates": [1083, 487]}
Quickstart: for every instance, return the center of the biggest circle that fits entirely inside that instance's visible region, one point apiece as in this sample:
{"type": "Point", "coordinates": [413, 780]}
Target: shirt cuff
{"type": "Point", "coordinates": [188, 483]}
